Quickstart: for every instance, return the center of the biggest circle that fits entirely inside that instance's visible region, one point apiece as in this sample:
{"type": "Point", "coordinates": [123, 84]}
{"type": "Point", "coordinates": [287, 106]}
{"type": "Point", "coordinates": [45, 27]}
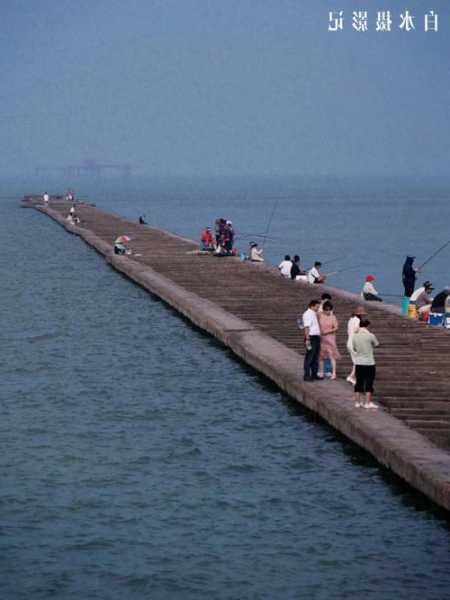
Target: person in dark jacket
{"type": "Point", "coordinates": [438, 304]}
{"type": "Point", "coordinates": [409, 276]}
{"type": "Point", "coordinates": [295, 269]}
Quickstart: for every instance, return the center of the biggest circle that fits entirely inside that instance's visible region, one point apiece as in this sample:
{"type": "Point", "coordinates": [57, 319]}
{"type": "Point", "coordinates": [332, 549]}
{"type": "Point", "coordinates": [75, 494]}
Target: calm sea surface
{"type": "Point", "coordinates": [139, 459]}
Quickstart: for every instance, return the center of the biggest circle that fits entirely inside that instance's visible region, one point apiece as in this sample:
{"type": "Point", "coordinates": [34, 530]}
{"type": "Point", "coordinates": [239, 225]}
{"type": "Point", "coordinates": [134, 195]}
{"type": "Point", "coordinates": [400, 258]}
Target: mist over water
{"type": "Point", "coordinates": [141, 460]}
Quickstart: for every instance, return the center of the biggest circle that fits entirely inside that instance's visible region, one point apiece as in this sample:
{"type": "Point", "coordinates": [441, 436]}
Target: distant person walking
{"type": "Point", "coordinates": [312, 341]}
{"type": "Point", "coordinates": [409, 274]}
{"type": "Point", "coordinates": [363, 344]}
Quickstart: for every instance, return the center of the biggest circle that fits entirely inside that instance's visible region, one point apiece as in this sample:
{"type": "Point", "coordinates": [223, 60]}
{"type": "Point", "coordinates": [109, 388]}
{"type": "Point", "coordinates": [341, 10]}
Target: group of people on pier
{"type": "Point", "coordinates": [222, 242]}
{"type": "Point", "coordinates": [320, 326]}
{"type": "Point", "coordinates": [291, 269]}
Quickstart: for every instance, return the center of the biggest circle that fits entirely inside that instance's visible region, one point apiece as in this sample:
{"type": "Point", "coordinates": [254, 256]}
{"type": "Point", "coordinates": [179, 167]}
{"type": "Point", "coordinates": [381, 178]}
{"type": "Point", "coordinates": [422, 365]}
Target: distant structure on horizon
{"type": "Point", "coordinates": [87, 167]}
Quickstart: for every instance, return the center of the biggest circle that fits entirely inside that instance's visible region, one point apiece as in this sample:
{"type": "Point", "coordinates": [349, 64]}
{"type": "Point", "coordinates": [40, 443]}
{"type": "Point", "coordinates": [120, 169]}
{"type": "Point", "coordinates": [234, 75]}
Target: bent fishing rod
{"type": "Point", "coordinates": [434, 254]}
{"type": "Point", "coordinates": [269, 223]}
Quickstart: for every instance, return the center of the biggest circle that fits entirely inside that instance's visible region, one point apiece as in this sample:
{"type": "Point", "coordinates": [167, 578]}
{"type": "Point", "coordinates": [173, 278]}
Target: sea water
{"type": "Point", "coordinates": [140, 459]}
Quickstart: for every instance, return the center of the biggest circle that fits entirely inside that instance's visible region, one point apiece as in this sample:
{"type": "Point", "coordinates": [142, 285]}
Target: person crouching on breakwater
{"type": "Point", "coordinates": [120, 245]}
{"type": "Point", "coordinates": [369, 292]}
{"type": "Point", "coordinates": [314, 274]}
{"type": "Point", "coordinates": [363, 343]}
{"type": "Point", "coordinates": [256, 255]}
{"type": "Point", "coordinates": [206, 240]}
{"type": "Point", "coordinates": [72, 217]}
{"type": "Point", "coordinates": [312, 342]}
{"type": "Point", "coordinates": [285, 266]}
{"type": "Point", "coordinates": [422, 298]}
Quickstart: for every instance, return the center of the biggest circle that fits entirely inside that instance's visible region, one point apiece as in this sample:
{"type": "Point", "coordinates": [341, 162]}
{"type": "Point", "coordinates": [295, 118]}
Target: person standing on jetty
{"type": "Point", "coordinates": [409, 274]}
{"type": "Point", "coordinates": [46, 198]}
{"type": "Point", "coordinates": [363, 344]}
{"type": "Point", "coordinates": [328, 347]}
{"type": "Point", "coordinates": [312, 342]}
{"type": "Point", "coordinates": [352, 327]}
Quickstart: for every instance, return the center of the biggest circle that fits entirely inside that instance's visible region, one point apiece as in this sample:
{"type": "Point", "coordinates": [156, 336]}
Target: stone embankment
{"type": "Point", "coordinates": [253, 311]}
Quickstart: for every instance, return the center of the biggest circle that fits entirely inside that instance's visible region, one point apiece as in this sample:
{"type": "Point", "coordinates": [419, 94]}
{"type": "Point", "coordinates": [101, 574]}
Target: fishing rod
{"type": "Point", "coordinates": [343, 270]}
{"type": "Point", "coordinates": [433, 255]}
{"type": "Point", "coordinates": [270, 222]}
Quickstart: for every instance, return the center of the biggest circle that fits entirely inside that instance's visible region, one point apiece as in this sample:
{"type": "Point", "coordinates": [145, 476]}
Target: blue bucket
{"type": "Point", "coordinates": [436, 319]}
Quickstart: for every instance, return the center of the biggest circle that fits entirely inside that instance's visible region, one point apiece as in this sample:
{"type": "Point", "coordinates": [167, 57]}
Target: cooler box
{"type": "Point", "coordinates": [436, 319]}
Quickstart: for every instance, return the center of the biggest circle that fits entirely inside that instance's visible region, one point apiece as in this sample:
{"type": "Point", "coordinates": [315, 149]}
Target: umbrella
{"type": "Point", "coordinates": [122, 239]}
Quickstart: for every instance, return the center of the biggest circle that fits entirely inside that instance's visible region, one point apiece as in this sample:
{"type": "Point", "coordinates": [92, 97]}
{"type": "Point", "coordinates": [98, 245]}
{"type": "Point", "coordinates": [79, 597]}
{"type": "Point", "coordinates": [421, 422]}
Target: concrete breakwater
{"type": "Point", "coordinates": [253, 311]}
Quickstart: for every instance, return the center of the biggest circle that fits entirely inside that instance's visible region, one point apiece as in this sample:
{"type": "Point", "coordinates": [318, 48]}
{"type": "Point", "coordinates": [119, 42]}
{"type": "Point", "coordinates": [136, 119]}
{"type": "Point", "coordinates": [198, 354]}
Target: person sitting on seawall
{"type": "Point", "coordinates": [314, 274]}
{"type": "Point", "coordinates": [120, 245]}
{"type": "Point", "coordinates": [421, 297]}
{"type": "Point", "coordinates": [409, 276]}
{"type": "Point", "coordinates": [285, 266]}
{"type": "Point", "coordinates": [73, 219]}
{"type": "Point", "coordinates": [369, 292]}
{"type": "Point", "coordinates": [440, 300]}
{"type": "Point", "coordinates": [256, 254]}
{"type": "Point", "coordinates": [296, 273]}
{"type": "Point", "coordinates": [363, 343]}
{"type": "Point", "coordinates": [206, 240]}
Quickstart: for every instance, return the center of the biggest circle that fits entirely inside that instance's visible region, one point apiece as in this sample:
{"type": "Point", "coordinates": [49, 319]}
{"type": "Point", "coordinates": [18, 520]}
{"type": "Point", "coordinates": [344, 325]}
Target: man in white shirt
{"type": "Point", "coordinates": [285, 266]}
{"type": "Point", "coordinates": [46, 198]}
{"type": "Point", "coordinates": [314, 274]}
{"type": "Point", "coordinates": [312, 341]}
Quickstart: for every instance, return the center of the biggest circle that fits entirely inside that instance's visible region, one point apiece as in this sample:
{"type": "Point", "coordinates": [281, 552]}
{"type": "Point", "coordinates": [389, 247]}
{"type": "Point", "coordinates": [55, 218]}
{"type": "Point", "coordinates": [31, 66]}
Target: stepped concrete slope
{"type": "Point", "coordinates": [253, 311]}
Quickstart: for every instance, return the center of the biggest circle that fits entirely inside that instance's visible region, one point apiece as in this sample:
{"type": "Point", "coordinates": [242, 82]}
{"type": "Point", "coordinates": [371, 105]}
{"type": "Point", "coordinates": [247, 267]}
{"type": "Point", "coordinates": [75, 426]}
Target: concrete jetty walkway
{"type": "Point", "coordinates": [253, 311]}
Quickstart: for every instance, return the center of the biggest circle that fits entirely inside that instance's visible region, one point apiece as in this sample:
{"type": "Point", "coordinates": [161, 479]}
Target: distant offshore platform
{"type": "Point", "coordinates": [87, 167]}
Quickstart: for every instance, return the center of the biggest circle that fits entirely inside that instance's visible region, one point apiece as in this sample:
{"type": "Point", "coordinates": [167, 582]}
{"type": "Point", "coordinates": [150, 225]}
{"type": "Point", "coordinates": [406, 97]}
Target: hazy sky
{"type": "Point", "coordinates": [224, 87]}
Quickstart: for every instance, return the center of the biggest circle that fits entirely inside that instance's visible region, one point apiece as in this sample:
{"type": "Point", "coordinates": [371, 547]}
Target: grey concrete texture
{"type": "Point", "coordinates": [410, 455]}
